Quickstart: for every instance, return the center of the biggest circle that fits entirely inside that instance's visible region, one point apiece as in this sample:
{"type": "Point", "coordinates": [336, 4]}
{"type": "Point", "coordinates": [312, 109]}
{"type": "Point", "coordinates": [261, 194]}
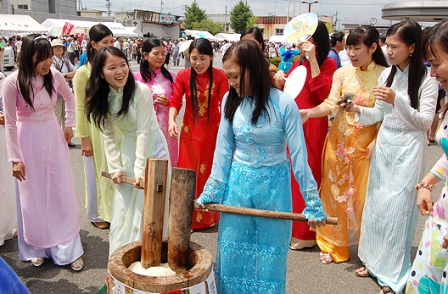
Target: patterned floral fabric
{"type": "Point", "coordinates": [345, 171]}
{"type": "Point", "coordinates": [429, 270]}
{"type": "Point", "coordinates": [251, 169]}
{"type": "Point", "coordinates": [198, 138]}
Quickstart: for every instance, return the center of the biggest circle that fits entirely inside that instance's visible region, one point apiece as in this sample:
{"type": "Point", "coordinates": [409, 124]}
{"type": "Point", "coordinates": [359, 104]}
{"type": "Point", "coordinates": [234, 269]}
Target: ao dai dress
{"type": "Point", "coordinates": [142, 138]}
{"type": "Point", "coordinates": [99, 190]}
{"type": "Point", "coordinates": [161, 86]}
{"type": "Point", "coordinates": [251, 169]}
{"type": "Point", "coordinates": [8, 219]}
{"type": "Point", "coordinates": [315, 130]}
{"type": "Point", "coordinates": [345, 166]}
{"type": "Point", "coordinates": [429, 270]}
{"type": "Point", "coordinates": [198, 138]}
{"type": "Point", "coordinates": [390, 213]}
{"type": "Point", "coordinates": [47, 209]}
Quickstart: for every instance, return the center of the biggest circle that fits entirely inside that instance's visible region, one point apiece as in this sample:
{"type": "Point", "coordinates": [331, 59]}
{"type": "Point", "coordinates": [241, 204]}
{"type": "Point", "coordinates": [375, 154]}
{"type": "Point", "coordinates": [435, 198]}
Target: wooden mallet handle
{"type": "Point", "coordinates": [261, 213]}
{"type": "Point", "coordinates": [124, 179]}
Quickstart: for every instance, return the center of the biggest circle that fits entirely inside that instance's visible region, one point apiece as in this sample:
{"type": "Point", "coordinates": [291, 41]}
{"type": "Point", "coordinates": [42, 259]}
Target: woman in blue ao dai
{"type": "Point", "coordinates": [251, 169]}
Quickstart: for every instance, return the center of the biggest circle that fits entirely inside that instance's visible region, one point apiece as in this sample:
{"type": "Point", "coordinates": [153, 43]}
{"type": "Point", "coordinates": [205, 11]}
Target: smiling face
{"type": "Point", "coordinates": [398, 52]}
{"type": "Point", "coordinates": [439, 66]}
{"type": "Point", "coordinates": [156, 57]}
{"type": "Point", "coordinates": [106, 41]}
{"type": "Point", "coordinates": [115, 71]}
{"type": "Point", "coordinates": [361, 55]}
{"type": "Point", "coordinates": [43, 67]}
{"type": "Point", "coordinates": [200, 62]}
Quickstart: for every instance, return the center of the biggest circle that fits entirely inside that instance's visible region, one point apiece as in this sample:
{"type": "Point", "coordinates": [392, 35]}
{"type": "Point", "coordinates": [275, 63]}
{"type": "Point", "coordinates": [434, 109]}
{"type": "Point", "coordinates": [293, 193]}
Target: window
{"type": "Point", "coordinates": [22, 6]}
{"type": "Point", "coordinates": [279, 31]}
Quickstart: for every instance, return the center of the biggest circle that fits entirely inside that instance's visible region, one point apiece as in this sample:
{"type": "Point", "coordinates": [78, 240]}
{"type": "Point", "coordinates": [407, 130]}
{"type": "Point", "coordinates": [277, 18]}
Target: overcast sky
{"type": "Point", "coordinates": [346, 10]}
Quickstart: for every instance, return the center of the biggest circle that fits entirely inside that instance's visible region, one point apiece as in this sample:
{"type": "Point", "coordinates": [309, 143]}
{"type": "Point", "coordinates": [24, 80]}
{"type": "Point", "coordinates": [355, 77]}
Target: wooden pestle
{"type": "Point", "coordinates": [183, 185]}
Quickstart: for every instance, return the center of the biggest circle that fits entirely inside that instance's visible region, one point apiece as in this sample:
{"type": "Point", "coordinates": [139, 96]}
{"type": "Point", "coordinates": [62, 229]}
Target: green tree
{"type": "Point", "coordinates": [193, 14]}
{"type": "Point", "coordinates": [241, 17]}
{"type": "Point", "coordinates": [208, 25]}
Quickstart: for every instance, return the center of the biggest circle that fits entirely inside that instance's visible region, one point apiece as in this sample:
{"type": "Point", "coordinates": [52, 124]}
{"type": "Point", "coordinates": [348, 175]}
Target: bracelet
{"type": "Point", "coordinates": [424, 185]}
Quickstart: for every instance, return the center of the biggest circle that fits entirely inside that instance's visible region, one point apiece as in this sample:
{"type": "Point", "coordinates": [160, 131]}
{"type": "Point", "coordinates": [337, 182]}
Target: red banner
{"type": "Point", "coordinates": [67, 29]}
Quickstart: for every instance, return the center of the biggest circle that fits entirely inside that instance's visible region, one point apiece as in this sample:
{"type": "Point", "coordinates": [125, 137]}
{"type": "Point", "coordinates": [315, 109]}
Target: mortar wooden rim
{"type": "Point", "coordinates": [120, 260]}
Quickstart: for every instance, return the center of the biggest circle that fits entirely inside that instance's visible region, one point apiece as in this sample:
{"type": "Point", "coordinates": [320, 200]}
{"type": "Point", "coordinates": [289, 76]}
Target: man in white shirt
{"type": "Point", "coordinates": [64, 66]}
{"type": "Point", "coordinates": [117, 43]}
{"type": "Point", "coordinates": [224, 47]}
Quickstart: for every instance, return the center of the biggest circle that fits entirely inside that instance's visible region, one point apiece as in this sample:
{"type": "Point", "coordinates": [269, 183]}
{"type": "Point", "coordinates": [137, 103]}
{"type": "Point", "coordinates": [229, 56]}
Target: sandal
{"type": "Point", "coordinates": [326, 258]}
{"type": "Point", "coordinates": [101, 225]}
{"type": "Point", "coordinates": [77, 265]}
{"type": "Point", "coordinates": [362, 272]}
{"type": "Point", "coordinates": [386, 289]}
{"type": "Point", "coordinates": [37, 261]}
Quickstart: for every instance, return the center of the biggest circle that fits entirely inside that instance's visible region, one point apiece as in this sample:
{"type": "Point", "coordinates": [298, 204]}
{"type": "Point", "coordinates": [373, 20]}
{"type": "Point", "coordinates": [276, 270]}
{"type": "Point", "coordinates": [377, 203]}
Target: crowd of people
{"type": "Point", "coordinates": [250, 143]}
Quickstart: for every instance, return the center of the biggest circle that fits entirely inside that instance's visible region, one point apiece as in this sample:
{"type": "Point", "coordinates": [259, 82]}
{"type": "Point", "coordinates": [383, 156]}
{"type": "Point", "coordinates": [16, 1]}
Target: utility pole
{"type": "Point", "coordinates": [335, 20]}
{"type": "Point", "coordinates": [161, 3]}
{"type": "Point", "coordinates": [225, 21]}
{"type": "Point", "coordinates": [108, 7]}
{"type": "Point", "coordinates": [287, 18]}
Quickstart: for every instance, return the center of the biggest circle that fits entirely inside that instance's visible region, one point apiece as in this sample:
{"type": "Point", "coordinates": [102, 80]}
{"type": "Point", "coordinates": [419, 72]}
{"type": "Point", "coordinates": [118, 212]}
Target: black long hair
{"type": "Point", "coordinates": [204, 47]}
{"type": "Point", "coordinates": [409, 32]}
{"type": "Point", "coordinates": [96, 34]}
{"type": "Point", "coordinates": [436, 38]}
{"type": "Point", "coordinates": [145, 69]}
{"type": "Point", "coordinates": [248, 55]}
{"type": "Point", "coordinates": [368, 35]}
{"type": "Point", "coordinates": [39, 46]}
{"type": "Point", "coordinates": [320, 37]}
{"type": "Point", "coordinates": [97, 91]}
{"type": "Point", "coordinates": [257, 34]}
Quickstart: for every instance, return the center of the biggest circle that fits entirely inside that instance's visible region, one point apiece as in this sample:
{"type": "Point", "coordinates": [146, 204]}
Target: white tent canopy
{"type": "Point", "coordinates": [200, 34]}
{"type": "Point", "coordinates": [228, 37]}
{"type": "Point", "coordinates": [277, 39]}
{"type": "Point", "coordinates": [119, 30]}
{"type": "Point", "coordinates": [134, 30]}
{"type": "Point", "coordinates": [15, 23]}
{"type": "Point", "coordinates": [55, 27]}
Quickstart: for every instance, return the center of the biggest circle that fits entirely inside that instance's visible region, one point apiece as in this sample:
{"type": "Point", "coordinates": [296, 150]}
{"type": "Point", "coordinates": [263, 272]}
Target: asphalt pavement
{"type": "Point", "coordinates": [306, 274]}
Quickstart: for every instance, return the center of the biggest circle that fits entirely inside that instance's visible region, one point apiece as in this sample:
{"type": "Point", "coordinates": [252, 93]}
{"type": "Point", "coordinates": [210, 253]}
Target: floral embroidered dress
{"type": "Point", "coordinates": [47, 209]}
{"type": "Point", "coordinates": [315, 132]}
{"type": "Point", "coordinates": [161, 86]}
{"type": "Point", "coordinates": [251, 169]}
{"type": "Point", "coordinates": [345, 167]}
{"type": "Point", "coordinates": [428, 274]}
{"type": "Point", "coordinates": [99, 190]}
{"type": "Point", "coordinates": [390, 213]}
{"type": "Point", "coordinates": [198, 138]}
{"type": "Point", "coordinates": [142, 138]}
